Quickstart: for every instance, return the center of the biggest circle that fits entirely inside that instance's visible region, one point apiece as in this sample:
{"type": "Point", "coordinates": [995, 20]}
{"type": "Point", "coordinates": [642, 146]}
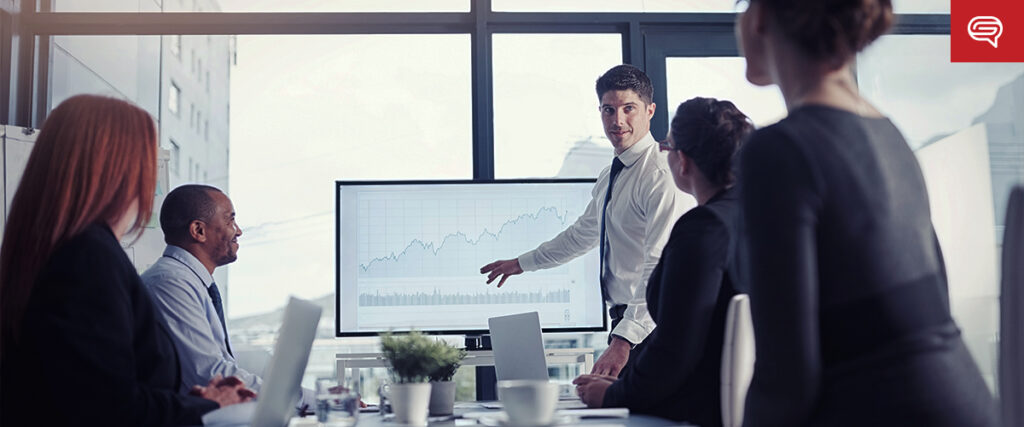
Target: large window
{"type": "Point", "coordinates": [336, 108]}
{"type": "Point", "coordinates": [309, 110]}
{"type": "Point", "coordinates": [546, 121]}
{"type": "Point", "coordinates": [276, 115]}
{"type": "Point", "coordinates": [722, 78]}
{"type": "Point", "coordinates": [126, 67]}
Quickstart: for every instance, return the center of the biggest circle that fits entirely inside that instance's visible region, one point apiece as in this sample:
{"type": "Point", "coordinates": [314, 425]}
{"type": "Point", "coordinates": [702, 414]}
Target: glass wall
{"type": "Point", "coordinates": [546, 119]}
{"type": "Point", "coordinates": [722, 78]}
{"type": "Point", "coordinates": [125, 67]}
{"type": "Point", "coordinates": [309, 110]}
{"type": "Point", "coordinates": [276, 119]}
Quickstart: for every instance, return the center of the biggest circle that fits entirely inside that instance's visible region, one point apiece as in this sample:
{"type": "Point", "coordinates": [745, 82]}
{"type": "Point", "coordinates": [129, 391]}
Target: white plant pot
{"type": "Point", "coordinates": [410, 403]}
{"type": "Point", "coordinates": [442, 397]}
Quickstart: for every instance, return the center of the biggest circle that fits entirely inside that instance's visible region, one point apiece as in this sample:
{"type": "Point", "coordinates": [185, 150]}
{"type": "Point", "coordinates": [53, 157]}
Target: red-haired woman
{"type": "Point", "coordinates": [80, 335]}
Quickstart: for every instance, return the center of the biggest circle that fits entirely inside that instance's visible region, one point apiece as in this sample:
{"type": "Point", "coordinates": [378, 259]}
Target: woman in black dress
{"type": "Point", "coordinates": [847, 285]}
{"type": "Point", "coordinates": [81, 340]}
{"type": "Point", "coordinates": [676, 376]}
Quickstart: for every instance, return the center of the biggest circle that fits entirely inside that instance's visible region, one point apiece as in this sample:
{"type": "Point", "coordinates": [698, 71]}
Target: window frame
{"type": "Point", "coordinates": [647, 39]}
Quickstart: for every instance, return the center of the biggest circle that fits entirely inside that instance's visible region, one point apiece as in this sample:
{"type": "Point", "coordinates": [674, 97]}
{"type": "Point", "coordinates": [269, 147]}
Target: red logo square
{"type": "Point", "coordinates": [987, 31]}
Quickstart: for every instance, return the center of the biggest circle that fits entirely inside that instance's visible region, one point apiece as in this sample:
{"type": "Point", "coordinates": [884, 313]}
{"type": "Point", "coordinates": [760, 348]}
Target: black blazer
{"type": "Point", "coordinates": [92, 350]}
{"type": "Point", "coordinates": [847, 284]}
{"type": "Point", "coordinates": [676, 375]}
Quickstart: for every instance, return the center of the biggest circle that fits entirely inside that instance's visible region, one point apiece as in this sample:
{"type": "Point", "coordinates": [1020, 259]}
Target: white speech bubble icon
{"type": "Point", "coordinates": [986, 29]}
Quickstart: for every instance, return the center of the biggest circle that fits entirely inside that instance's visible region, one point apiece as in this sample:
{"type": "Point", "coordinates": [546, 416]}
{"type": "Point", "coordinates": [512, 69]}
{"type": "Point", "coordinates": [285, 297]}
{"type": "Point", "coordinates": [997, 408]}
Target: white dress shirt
{"type": "Point", "coordinates": [645, 203]}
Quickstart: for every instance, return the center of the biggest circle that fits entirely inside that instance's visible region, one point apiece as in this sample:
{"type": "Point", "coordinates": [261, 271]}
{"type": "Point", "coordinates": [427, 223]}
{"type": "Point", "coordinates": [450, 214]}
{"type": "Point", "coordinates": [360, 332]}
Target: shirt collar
{"type": "Point", "coordinates": [190, 261]}
{"type": "Point", "coordinates": [632, 154]}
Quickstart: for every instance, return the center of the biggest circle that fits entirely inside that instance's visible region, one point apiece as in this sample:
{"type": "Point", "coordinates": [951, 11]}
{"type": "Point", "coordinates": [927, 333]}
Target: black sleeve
{"type": "Point", "coordinates": [779, 208]}
{"type": "Point", "coordinates": [84, 329]}
{"type": "Point", "coordinates": [692, 271]}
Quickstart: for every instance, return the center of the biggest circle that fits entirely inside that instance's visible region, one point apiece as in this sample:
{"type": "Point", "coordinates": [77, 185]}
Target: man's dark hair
{"type": "Point", "coordinates": [622, 77]}
{"type": "Point", "coordinates": [183, 205]}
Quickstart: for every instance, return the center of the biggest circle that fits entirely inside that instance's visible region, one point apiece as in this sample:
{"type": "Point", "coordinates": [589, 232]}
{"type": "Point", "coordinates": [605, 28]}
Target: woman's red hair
{"type": "Point", "coordinates": [94, 157]}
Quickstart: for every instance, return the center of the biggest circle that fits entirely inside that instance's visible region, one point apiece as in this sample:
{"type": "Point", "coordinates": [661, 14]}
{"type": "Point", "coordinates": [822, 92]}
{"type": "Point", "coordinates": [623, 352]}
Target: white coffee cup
{"type": "Point", "coordinates": [528, 402]}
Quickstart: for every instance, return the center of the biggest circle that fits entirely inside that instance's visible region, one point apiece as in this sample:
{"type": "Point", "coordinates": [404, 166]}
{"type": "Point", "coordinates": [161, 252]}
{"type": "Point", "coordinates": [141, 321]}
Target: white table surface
{"type": "Point", "coordinates": [373, 419]}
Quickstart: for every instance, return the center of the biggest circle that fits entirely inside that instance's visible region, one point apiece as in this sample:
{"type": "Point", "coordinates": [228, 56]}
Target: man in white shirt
{"type": "Point", "coordinates": [630, 223]}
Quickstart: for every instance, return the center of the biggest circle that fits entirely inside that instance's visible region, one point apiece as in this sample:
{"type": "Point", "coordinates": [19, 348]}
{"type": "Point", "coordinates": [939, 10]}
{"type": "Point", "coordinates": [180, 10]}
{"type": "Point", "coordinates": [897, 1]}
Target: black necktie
{"type": "Point", "coordinates": [616, 168]}
{"type": "Point", "coordinates": [219, 306]}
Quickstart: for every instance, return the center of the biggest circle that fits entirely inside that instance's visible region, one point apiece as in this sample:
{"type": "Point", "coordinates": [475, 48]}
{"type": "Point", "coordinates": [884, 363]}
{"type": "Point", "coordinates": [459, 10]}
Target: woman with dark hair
{"type": "Point", "coordinates": [677, 375]}
{"type": "Point", "coordinates": [79, 330]}
{"type": "Point", "coordinates": [847, 284]}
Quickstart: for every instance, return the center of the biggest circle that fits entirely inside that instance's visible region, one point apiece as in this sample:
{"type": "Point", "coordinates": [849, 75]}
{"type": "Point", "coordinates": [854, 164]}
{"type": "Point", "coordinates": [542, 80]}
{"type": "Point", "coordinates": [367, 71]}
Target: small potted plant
{"type": "Point", "coordinates": [411, 359]}
{"type": "Point", "coordinates": [442, 388]}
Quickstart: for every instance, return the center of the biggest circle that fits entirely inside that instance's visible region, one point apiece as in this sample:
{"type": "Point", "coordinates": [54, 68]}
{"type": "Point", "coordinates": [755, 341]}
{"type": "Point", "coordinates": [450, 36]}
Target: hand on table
{"type": "Point", "coordinates": [613, 359]}
{"type": "Point", "coordinates": [224, 391]}
{"type": "Point", "coordinates": [591, 388]}
{"type": "Point", "coordinates": [503, 268]}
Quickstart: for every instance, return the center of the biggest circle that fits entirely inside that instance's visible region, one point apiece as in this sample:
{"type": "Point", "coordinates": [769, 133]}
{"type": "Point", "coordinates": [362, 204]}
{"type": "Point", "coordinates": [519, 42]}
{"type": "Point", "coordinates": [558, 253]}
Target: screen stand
{"type": "Point", "coordinates": [478, 342]}
{"type": "Point", "coordinates": [486, 379]}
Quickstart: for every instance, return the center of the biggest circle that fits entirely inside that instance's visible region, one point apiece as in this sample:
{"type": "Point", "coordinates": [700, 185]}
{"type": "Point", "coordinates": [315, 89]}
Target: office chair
{"type": "Point", "coordinates": [1011, 313]}
{"type": "Point", "coordinates": [737, 360]}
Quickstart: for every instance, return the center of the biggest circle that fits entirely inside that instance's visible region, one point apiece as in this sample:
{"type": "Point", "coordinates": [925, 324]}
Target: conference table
{"type": "Point", "coordinates": [373, 419]}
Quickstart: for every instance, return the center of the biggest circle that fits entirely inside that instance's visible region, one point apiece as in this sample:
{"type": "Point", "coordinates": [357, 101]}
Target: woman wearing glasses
{"type": "Point", "coordinates": [847, 285]}
{"type": "Point", "coordinates": [677, 375]}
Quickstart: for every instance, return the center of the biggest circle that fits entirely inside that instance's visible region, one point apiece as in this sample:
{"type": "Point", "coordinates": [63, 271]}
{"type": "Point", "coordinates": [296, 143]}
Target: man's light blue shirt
{"type": "Point", "coordinates": [180, 285]}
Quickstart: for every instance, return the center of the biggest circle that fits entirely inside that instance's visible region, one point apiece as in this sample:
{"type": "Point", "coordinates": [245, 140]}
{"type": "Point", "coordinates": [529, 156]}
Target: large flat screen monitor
{"type": "Point", "coordinates": [409, 255]}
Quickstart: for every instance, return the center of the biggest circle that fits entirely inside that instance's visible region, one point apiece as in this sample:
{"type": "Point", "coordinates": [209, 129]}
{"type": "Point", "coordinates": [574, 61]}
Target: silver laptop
{"type": "Point", "coordinates": [518, 347]}
{"type": "Point", "coordinates": [519, 354]}
{"type": "Point", "coordinates": [275, 405]}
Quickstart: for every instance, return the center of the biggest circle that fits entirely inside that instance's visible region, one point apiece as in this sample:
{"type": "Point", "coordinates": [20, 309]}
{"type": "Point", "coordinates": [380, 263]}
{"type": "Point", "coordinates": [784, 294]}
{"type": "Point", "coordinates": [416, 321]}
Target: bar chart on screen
{"type": "Point", "coordinates": [413, 255]}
